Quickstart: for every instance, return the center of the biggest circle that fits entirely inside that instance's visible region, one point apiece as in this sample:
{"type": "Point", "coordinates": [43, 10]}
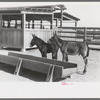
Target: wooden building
{"type": "Point", "coordinates": [17, 24]}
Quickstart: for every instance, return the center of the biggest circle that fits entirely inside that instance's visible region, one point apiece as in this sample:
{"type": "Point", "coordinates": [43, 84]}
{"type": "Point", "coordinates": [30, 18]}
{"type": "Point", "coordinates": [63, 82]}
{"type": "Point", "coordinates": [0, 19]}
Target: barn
{"type": "Point", "coordinates": [17, 24]}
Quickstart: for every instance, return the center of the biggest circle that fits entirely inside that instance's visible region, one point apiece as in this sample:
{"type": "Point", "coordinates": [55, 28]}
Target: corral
{"type": "Point", "coordinates": [16, 29]}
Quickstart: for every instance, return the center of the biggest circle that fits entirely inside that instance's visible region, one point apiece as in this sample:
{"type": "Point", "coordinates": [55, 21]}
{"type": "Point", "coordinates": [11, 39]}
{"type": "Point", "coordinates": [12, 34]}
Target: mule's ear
{"type": "Point", "coordinates": [54, 32]}
{"type": "Point", "coordinates": [33, 35]}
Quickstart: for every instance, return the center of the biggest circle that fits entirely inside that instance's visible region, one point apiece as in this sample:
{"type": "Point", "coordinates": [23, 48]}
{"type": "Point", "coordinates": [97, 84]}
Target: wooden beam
{"type": "Point", "coordinates": [57, 23]}
{"type": "Point", "coordinates": [23, 22]}
{"type": "Point", "coordinates": [52, 18]}
{"type": "Point", "coordinates": [30, 12]}
{"type": "Point", "coordinates": [18, 66]}
{"type": "Point", "coordinates": [33, 24]}
{"type": "Point", "coordinates": [41, 25]}
{"type": "Point", "coordinates": [50, 74]}
{"type": "Point", "coordinates": [85, 32]}
{"type": "Point", "coordinates": [0, 31]}
{"type": "Point", "coordinates": [75, 24]}
{"type": "Point", "coordinates": [61, 17]}
{"type": "Point", "coordinates": [69, 18]}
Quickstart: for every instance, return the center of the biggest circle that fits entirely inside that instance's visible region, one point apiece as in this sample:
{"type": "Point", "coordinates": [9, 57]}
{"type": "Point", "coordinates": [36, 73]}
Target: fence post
{"type": "Point", "coordinates": [85, 32]}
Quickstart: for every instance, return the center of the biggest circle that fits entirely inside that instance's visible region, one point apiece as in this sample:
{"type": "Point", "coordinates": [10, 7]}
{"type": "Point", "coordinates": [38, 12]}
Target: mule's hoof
{"type": "Point", "coordinates": [79, 72]}
{"type": "Point", "coordinates": [84, 72]}
{"type": "Point", "coordinates": [68, 76]}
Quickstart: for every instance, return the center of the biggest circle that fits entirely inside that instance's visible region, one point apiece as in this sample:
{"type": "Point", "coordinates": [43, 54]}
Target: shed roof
{"type": "Point", "coordinates": [66, 16]}
{"type": "Point", "coordinates": [48, 8]}
{"type": "Point", "coordinates": [34, 8]}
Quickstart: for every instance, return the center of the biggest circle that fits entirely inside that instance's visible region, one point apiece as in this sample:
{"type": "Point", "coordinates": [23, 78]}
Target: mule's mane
{"type": "Point", "coordinates": [39, 39]}
{"type": "Point", "coordinates": [58, 41]}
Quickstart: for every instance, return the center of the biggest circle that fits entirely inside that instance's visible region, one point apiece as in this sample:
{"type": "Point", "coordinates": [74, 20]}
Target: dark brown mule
{"type": "Point", "coordinates": [73, 48]}
{"type": "Point", "coordinates": [44, 47]}
{"type": "Point", "coordinates": [54, 46]}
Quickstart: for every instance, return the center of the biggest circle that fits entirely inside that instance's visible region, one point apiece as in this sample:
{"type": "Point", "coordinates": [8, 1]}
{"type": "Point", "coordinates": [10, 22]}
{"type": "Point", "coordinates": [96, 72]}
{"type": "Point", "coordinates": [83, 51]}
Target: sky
{"type": "Point", "coordinates": [87, 12]}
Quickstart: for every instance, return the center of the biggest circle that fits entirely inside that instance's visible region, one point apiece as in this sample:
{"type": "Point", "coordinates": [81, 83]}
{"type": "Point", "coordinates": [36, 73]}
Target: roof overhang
{"type": "Point", "coordinates": [66, 16]}
{"type": "Point", "coordinates": [49, 8]}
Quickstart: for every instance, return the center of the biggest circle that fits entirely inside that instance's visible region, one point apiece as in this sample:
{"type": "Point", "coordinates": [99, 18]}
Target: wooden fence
{"type": "Point", "coordinates": [89, 34]}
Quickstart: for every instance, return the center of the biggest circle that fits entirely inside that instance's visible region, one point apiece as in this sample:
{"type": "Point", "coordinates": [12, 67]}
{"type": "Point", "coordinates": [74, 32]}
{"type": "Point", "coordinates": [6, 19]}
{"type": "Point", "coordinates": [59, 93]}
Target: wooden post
{"type": "Point", "coordinates": [57, 23]}
{"type": "Point", "coordinates": [85, 31]}
{"type": "Point", "coordinates": [28, 24]}
{"type": "Point", "coordinates": [61, 20]}
{"type": "Point", "coordinates": [18, 66]}
{"type": "Point", "coordinates": [23, 22]}
{"type": "Point", "coordinates": [15, 23]}
{"type": "Point", "coordinates": [50, 74]}
{"type": "Point", "coordinates": [1, 22]}
{"type": "Point", "coordinates": [32, 24]}
{"type": "Point", "coordinates": [41, 25]}
{"type": "Point", "coordinates": [75, 24]}
{"type": "Point", "coordinates": [52, 18]}
{"type": "Point", "coordinates": [8, 23]}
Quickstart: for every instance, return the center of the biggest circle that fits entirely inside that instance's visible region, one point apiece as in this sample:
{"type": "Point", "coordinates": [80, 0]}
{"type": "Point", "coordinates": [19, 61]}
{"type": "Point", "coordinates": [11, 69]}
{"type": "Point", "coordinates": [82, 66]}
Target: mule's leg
{"type": "Point", "coordinates": [85, 67]}
{"type": "Point", "coordinates": [64, 57]}
{"type": "Point", "coordinates": [54, 55]}
{"type": "Point", "coordinates": [83, 51]}
{"type": "Point", "coordinates": [44, 55]}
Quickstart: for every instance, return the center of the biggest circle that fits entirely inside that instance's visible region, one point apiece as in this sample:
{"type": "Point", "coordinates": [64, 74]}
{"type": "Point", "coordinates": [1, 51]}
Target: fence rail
{"type": "Point", "coordinates": [89, 34]}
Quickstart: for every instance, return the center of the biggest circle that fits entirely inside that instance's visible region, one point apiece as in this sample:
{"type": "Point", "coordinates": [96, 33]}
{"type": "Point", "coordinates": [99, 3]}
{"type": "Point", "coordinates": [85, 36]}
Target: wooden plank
{"type": "Point", "coordinates": [56, 72]}
{"type": "Point", "coordinates": [94, 42]}
{"type": "Point", "coordinates": [96, 28]}
{"type": "Point", "coordinates": [96, 37]}
{"type": "Point", "coordinates": [43, 65]}
{"type": "Point", "coordinates": [12, 38]}
{"type": "Point", "coordinates": [50, 74]}
{"type": "Point", "coordinates": [44, 60]}
{"type": "Point", "coordinates": [23, 33]}
{"type": "Point", "coordinates": [85, 33]}
{"type": "Point", "coordinates": [18, 66]}
{"type": "Point", "coordinates": [35, 66]}
{"type": "Point", "coordinates": [9, 60]}
{"type": "Point", "coordinates": [72, 27]}
{"type": "Point", "coordinates": [93, 33]}
{"type": "Point", "coordinates": [67, 31]}
{"type": "Point", "coordinates": [71, 37]}
{"type": "Point", "coordinates": [0, 29]}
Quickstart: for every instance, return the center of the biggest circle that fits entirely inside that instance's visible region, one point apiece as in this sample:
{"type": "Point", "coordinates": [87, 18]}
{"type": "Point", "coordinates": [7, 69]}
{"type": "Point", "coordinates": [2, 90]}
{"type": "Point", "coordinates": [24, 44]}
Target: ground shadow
{"type": "Point", "coordinates": [7, 68]}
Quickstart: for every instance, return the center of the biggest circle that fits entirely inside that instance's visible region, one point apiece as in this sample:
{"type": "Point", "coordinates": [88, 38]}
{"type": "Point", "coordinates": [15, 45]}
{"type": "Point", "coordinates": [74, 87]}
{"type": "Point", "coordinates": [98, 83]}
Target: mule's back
{"type": "Point", "coordinates": [71, 48]}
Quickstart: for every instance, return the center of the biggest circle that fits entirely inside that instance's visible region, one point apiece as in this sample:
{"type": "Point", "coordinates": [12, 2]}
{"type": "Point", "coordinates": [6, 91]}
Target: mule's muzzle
{"type": "Point", "coordinates": [30, 45]}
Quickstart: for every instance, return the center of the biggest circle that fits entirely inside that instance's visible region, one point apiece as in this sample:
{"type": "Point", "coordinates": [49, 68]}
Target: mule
{"type": "Point", "coordinates": [44, 47]}
{"type": "Point", "coordinates": [73, 48]}
{"type": "Point", "coordinates": [54, 46]}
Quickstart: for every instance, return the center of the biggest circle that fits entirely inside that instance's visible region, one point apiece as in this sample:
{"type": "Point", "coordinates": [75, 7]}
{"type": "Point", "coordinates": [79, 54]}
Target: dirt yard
{"type": "Point", "coordinates": [92, 75]}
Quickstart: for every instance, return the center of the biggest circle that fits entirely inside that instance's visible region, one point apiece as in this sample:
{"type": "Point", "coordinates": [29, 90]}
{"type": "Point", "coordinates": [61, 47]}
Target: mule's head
{"type": "Point", "coordinates": [55, 35]}
{"type": "Point", "coordinates": [33, 41]}
{"type": "Point", "coordinates": [51, 40]}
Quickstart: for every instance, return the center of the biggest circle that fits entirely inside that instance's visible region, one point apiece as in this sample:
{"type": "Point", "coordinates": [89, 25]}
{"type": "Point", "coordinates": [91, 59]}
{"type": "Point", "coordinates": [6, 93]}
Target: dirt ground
{"type": "Point", "coordinates": [92, 75]}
